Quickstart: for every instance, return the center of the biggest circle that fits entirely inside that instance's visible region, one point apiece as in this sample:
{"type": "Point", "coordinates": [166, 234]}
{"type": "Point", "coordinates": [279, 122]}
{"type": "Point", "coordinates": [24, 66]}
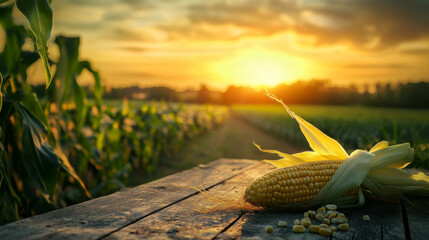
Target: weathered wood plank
{"type": "Point", "coordinates": [181, 221]}
{"type": "Point", "coordinates": [386, 223]}
{"type": "Point", "coordinates": [252, 226]}
{"type": "Point", "coordinates": [417, 214]}
{"type": "Point", "coordinates": [102, 216]}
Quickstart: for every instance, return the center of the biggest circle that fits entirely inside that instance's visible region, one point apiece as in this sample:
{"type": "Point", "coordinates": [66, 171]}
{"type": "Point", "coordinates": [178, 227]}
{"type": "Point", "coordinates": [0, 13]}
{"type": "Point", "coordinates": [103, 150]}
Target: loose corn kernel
{"type": "Point", "coordinates": [319, 217]}
{"type": "Point", "coordinates": [311, 213]}
{"type": "Point", "coordinates": [325, 232]}
{"type": "Point", "coordinates": [295, 184]}
{"type": "Point", "coordinates": [366, 218]}
{"type": "Point", "coordinates": [282, 224]}
{"type": "Point", "coordinates": [333, 229]}
{"type": "Point", "coordinates": [323, 225]}
{"type": "Point", "coordinates": [326, 221]}
{"type": "Point", "coordinates": [332, 215]}
{"type": "Point", "coordinates": [298, 229]}
{"type": "Point", "coordinates": [314, 228]}
{"type": "Point", "coordinates": [343, 227]}
{"type": "Point", "coordinates": [340, 215]}
{"type": "Point", "coordinates": [332, 207]}
{"type": "Point", "coordinates": [334, 220]}
{"type": "Point", "coordinates": [341, 220]}
{"type": "Point", "coordinates": [321, 210]}
{"type": "Point", "coordinates": [269, 229]}
{"type": "Point", "coordinates": [306, 222]}
{"type": "Point", "coordinates": [296, 222]}
{"type": "Point", "coordinates": [306, 215]}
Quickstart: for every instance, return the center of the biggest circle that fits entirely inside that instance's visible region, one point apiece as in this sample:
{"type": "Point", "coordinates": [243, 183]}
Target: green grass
{"type": "Point", "coordinates": [355, 127]}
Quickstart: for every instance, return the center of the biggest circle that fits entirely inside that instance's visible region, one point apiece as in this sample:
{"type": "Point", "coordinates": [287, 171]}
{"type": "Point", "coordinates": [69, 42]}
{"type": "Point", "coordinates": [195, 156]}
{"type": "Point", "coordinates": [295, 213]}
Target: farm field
{"type": "Point", "coordinates": [355, 127]}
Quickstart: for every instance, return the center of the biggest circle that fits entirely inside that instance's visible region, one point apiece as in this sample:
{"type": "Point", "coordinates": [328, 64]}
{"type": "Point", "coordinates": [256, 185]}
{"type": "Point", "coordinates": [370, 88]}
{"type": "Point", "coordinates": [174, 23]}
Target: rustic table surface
{"type": "Point", "coordinates": [163, 210]}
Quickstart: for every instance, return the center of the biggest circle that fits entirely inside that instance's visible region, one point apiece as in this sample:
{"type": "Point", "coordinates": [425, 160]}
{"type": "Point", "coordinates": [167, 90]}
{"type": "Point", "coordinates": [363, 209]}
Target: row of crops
{"type": "Point", "coordinates": [65, 148]}
{"type": "Point", "coordinates": [355, 127]}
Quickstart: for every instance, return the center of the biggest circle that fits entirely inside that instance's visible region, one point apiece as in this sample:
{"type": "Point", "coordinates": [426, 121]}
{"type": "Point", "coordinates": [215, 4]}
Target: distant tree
{"type": "Point", "coordinates": [162, 93]}
{"type": "Point", "coordinates": [204, 95]}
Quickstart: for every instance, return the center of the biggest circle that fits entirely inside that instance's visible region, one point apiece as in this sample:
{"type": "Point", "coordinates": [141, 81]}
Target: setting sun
{"type": "Point", "coordinates": [258, 67]}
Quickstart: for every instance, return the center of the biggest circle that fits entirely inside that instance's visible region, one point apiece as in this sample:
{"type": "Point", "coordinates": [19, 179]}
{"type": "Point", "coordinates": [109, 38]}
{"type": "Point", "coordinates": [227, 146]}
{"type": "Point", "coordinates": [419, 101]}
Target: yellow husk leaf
{"type": "Point", "coordinates": [378, 146]}
{"type": "Point", "coordinates": [319, 142]}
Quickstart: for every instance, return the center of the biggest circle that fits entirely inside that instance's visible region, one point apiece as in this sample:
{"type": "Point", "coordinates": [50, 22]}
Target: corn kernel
{"type": "Point", "coordinates": [341, 220]}
{"type": "Point", "coordinates": [282, 224]}
{"type": "Point", "coordinates": [311, 213]}
{"type": "Point", "coordinates": [332, 215]}
{"type": "Point", "coordinates": [343, 227]}
{"type": "Point", "coordinates": [334, 220]}
{"type": "Point", "coordinates": [306, 215]}
{"type": "Point", "coordinates": [332, 207]}
{"type": "Point", "coordinates": [366, 218]}
{"type": "Point", "coordinates": [314, 228]}
{"type": "Point", "coordinates": [340, 215]}
{"type": "Point", "coordinates": [325, 232]}
{"type": "Point", "coordinates": [321, 210]}
{"type": "Point", "coordinates": [326, 221]}
{"type": "Point", "coordinates": [323, 225]}
{"type": "Point", "coordinates": [319, 217]}
{"type": "Point", "coordinates": [269, 229]}
{"type": "Point", "coordinates": [298, 229]}
{"type": "Point", "coordinates": [306, 223]}
{"type": "Point", "coordinates": [296, 222]}
{"type": "Point", "coordinates": [333, 229]}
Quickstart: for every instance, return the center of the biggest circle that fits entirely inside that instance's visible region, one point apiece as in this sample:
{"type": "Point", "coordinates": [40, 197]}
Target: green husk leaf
{"type": "Point", "coordinates": [398, 156]}
{"type": "Point", "coordinates": [349, 175]}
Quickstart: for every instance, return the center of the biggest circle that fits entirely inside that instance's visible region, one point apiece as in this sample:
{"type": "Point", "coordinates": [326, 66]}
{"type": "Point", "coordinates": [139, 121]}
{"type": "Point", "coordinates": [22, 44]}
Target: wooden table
{"type": "Point", "coordinates": [162, 210]}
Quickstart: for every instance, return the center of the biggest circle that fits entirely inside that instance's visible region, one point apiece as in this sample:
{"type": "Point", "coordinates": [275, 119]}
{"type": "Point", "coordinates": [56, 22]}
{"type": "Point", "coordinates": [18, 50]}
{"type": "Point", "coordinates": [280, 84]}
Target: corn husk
{"type": "Point", "coordinates": [379, 170]}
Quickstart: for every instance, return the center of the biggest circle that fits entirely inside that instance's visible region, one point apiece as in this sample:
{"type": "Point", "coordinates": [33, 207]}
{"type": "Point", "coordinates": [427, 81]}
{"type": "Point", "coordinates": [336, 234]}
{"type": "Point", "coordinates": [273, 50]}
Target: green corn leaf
{"type": "Point", "coordinates": [80, 101]}
{"type": "Point", "coordinates": [1, 93]}
{"type": "Point", "coordinates": [11, 203]}
{"type": "Point", "coordinates": [98, 88]}
{"type": "Point", "coordinates": [39, 15]}
{"type": "Point", "coordinates": [65, 70]}
{"type": "Point", "coordinates": [30, 102]}
{"type": "Point", "coordinates": [66, 166]}
{"type": "Point", "coordinates": [40, 161]}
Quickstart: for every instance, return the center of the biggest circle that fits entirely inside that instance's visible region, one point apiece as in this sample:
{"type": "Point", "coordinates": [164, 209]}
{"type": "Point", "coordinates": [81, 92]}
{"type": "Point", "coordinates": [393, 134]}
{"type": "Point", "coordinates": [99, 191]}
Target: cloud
{"type": "Point", "coordinates": [133, 49]}
{"type": "Point", "coordinates": [417, 51]}
{"type": "Point", "coordinates": [365, 65]}
{"type": "Point", "coordinates": [124, 34]}
{"type": "Point", "coordinates": [364, 24]}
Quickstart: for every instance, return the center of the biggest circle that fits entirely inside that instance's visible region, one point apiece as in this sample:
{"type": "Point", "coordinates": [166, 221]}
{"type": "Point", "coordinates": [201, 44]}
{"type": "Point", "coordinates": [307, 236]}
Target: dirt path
{"type": "Point", "coordinates": [233, 139]}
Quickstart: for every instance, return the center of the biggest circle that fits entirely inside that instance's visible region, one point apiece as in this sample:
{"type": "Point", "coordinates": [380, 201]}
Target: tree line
{"type": "Point", "coordinates": [315, 91]}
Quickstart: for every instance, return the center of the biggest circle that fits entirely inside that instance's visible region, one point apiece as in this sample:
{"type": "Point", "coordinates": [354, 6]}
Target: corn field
{"type": "Point", "coordinates": [65, 148]}
{"type": "Point", "coordinates": [354, 127]}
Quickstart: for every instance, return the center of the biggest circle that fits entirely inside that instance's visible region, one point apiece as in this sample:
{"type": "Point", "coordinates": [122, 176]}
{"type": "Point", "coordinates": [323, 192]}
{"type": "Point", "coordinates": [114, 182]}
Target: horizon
{"type": "Point", "coordinates": [183, 44]}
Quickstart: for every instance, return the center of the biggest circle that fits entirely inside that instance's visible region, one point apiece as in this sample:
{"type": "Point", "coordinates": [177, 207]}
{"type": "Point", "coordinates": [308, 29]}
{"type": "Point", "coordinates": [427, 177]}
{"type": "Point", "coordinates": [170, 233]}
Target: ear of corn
{"type": "Point", "coordinates": [300, 183]}
{"type": "Point", "coordinates": [329, 173]}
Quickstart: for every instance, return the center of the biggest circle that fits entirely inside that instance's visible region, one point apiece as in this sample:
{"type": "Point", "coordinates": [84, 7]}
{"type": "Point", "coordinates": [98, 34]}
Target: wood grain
{"type": "Point", "coordinates": [182, 221]}
{"type": "Point", "coordinates": [162, 210]}
{"type": "Point", "coordinates": [99, 217]}
{"type": "Point", "coordinates": [417, 215]}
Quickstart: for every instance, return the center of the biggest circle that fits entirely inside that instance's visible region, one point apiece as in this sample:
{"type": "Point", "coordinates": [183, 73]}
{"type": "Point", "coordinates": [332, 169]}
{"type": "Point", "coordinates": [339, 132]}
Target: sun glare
{"type": "Point", "coordinates": [258, 67]}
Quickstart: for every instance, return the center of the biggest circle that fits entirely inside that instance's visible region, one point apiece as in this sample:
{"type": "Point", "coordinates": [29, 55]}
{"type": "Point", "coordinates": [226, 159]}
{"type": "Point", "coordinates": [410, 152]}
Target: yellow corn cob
{"type": "Point", "coordinates": [296, 184]}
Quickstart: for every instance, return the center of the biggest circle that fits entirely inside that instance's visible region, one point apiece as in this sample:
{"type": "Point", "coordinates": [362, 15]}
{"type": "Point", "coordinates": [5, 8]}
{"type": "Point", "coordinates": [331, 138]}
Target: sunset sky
{"type": "Point", "coordinates": [247, 42]}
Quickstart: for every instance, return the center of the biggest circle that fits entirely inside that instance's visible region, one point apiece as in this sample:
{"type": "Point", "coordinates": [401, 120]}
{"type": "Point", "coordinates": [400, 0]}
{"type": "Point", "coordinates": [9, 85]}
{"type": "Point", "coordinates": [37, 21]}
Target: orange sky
{"type": "Point", "coordinates": [248, 42]}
